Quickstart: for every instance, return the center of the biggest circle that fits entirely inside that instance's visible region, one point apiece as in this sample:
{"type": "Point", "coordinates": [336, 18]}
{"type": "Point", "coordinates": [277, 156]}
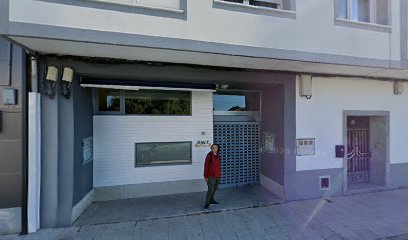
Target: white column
{"type": "Point", "coordinates": [34, 161]}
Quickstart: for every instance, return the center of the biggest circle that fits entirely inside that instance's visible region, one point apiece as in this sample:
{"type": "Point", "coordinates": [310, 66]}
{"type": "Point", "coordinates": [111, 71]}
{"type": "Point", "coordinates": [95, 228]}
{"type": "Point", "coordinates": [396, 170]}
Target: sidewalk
{"type": "Point", "coordinates": [367, 216]}
{"type": "Point", "coordinates": [127, 210]}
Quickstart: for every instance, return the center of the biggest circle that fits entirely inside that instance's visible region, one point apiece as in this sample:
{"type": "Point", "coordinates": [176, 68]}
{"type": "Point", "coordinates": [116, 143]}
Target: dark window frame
{"type": "Point", "coordinates": [164, 164]}
{"type": "Point", "coordinates": [122, 111]}
{"type": "Point", "coordinates": [229, 92]}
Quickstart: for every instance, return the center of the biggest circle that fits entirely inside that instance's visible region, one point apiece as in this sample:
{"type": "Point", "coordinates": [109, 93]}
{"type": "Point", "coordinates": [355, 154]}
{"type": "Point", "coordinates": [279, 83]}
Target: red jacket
{"type": "Point", "coordinates": [212, 166]}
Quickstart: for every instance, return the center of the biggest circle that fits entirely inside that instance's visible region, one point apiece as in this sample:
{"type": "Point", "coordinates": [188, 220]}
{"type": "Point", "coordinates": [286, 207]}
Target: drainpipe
{"type": "Point", "coordinates": [24, 127]}
{"type": "Point", "coordinates": [34, 75]}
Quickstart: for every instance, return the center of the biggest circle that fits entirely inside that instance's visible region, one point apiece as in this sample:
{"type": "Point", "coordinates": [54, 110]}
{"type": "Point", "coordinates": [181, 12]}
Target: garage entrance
{"type": "Point", "coordinates": [236, 130]}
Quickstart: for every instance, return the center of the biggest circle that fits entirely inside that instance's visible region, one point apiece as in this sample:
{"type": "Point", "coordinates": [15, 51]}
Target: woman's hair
{"type": "Point", "coordinates": [217, 146]}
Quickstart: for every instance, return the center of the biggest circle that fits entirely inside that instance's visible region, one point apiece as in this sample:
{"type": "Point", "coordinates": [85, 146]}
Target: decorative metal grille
{"type": "Point", "coordinates": [239, 143]}
{"type": "Point", "coordinates": [358, 156]}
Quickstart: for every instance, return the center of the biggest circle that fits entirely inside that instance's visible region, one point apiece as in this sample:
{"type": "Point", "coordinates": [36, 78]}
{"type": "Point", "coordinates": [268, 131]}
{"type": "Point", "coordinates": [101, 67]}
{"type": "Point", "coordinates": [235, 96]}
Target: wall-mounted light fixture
{"type": "Point", "coordinates": [50, 82]}
{"type": "Point", "coordinates": [52, 74]}
{"type": "Point", "coordinates": [398, 87]}
{"type": "Point", "coordinates": [305, 86]}
{"type": "Point", "coordinates": [65, 86]}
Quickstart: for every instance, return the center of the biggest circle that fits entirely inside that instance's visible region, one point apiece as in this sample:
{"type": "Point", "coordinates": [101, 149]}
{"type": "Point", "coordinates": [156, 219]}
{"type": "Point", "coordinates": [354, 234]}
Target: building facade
{"type": "Point", "coordinates": [12, 143]}
{"type": "Point", "coordinates": [305, 98]}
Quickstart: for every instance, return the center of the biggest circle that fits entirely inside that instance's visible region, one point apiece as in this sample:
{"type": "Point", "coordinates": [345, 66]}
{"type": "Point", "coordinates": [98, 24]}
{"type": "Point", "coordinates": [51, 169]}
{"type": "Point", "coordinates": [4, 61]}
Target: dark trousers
{"type": "Point", "coordinates": [212, 184]}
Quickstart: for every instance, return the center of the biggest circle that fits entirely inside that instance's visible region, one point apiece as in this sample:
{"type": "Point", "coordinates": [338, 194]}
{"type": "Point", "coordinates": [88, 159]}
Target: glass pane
{"type": "Point", "coordinates": [109, 100]}
{"type": "Point", "coordinates": [163, 153]}
{"type": "Point", "coordinates": [155, 102]}
{"type": "Point", "coordinates": [236, 1]}
{"type": "Point", "coordinates": [382, 12]}
{"type": "Point", "coordinates": [342, 9]}
{"type": "Point", "coordinates": [264, 3]}
{"type": "Point", "coordinates": [360, 10]}
{"type": "Point", "coordinates": [236, 102]}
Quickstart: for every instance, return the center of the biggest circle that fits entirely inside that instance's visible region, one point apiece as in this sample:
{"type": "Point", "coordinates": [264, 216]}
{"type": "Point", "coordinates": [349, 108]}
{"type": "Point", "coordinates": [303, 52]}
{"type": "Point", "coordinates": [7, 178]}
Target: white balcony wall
{"type": "Point", "coordinates": [312, 31]}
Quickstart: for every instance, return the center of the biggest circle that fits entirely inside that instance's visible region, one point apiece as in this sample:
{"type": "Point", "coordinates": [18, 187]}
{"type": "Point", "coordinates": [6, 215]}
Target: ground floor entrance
{"type": "Point", "coordinates": [367, 150]}
{"type": "Point", "coordinates": [358, 150]}
{"type": "Point", "coordinates": [136, 139]}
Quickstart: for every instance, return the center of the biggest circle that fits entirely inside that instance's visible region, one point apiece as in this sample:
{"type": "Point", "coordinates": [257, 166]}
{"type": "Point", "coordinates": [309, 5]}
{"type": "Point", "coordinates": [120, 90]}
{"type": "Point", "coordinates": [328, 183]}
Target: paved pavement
{"type": "Point", "coordinates": [380, 215]}
{"type": "Point", "coordinates": [173, 205]}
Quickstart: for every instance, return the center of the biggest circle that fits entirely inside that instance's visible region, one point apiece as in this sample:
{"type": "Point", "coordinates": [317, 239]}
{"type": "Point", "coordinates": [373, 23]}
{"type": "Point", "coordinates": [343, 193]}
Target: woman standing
{"type": "Point", "coordinates": [212, 174]}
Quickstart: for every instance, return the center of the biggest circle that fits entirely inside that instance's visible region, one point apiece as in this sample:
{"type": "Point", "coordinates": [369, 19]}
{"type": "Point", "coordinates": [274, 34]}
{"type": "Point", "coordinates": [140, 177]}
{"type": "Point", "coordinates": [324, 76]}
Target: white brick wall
{"type": "Point", "coordinates": [115, 138]}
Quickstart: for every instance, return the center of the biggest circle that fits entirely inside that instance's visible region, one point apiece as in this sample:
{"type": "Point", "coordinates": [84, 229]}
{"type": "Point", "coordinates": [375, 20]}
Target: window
{"type": "Point", "coordinates": [163, 153]}
{"type": "Point", "coordinates": [108, 100]}
{"type": "Point", "coordinates": [278, 4]}
{"type": "Point", "coordinates": [171, 4]}
{"type": "Point", "coordinates": [360, 10]}
{"type": "Point", "coordinates": [369, 11]}
{"type": "Point", "coordinates": [381, 13]}
{"type": "Point", "coordinates": [153, 102]}
{"type": "Point", "coordinates": [236, 101]}
{"type": "Point", "coordinates": [144, 102]}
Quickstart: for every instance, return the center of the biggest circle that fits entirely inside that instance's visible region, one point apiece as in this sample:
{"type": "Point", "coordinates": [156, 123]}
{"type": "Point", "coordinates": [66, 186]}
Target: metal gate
{"type": "Point", "coordinates": [358, 156]}
{"type": "Point", "coordinates": [239, 144]}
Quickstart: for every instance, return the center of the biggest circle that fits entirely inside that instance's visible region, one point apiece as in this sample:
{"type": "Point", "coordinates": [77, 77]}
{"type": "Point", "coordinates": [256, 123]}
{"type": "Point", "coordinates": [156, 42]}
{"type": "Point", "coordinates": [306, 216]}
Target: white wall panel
{"type": "Point", "coordinates": [115, 138]}
{"type": "Point", "coordinates": [322, 117]}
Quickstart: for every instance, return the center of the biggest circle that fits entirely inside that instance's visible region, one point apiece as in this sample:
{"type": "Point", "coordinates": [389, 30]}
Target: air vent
{"type": "Point", "coordinates": [324, 182]}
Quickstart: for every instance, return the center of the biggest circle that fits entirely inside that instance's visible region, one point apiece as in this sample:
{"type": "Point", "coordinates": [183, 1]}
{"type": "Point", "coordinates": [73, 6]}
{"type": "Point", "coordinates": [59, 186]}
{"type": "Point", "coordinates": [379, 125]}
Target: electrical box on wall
{"type": "Point", "coordinates": [305, 146]}
{"type": "Point", "coordinates": [305, 86]}
{"type": "Point", "coordinates": [398, 87]}
{"type": "Point", "coordinates": [68, 74]}
{"type": "Point", "coordinates": [9, 96]}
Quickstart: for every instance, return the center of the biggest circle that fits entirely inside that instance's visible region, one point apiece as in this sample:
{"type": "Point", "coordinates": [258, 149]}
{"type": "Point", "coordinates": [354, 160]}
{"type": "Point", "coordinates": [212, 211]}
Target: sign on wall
{"type": "Point", "coordinates": [269, 142]}
{"type": "Point", "coordinates": [205, 143]}
{"type": "Point", "coordinates": [87, 150]}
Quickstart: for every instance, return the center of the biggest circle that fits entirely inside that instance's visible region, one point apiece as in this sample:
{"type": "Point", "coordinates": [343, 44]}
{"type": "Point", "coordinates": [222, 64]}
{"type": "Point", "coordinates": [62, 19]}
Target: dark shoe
{"type": "Point", "coordinates": [215, 203]}
{"type": "Point", "coordinates": [206, 207]}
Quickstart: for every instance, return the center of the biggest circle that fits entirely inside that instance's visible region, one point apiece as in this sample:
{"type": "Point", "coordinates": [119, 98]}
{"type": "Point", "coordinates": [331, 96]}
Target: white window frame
{"type": "Point", "coordinates": [278, 2]}
{"type": "Point", "coordinates": [135, 3]}
{"type": "Point", "coordinates": [372, 12]}
{"type": "Point", "coordinates": [261, 10]}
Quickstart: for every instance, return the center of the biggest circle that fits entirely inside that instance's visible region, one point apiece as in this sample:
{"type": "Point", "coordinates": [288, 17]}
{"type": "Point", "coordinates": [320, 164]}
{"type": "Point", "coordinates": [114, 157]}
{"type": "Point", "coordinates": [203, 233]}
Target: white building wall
{"type": "Point", "coordinates": [313, 30]}
{"type": "Point", "coordinates": [115, 138]}
{"type": "Point", "coordinates": [322, 117]}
